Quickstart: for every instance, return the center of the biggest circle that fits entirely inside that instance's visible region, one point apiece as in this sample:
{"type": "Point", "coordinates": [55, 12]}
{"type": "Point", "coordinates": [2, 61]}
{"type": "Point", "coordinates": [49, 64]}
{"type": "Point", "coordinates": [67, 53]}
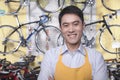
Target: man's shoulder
{"type": "Point", "coordinates": [93, 51]}
{"type": "Point", "coordinates": [54, 51]}
{"type": "Point", "coordinates": [95, 56]}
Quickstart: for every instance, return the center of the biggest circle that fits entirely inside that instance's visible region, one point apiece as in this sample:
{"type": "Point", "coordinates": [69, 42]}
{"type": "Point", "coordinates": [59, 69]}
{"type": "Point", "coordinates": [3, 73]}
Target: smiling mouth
{"type": "Point", "coordinates": [72, 35]}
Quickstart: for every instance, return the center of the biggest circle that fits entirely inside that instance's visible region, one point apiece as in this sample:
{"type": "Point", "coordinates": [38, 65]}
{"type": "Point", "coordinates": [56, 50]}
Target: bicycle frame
{"type": "Point", "coordinates": [90, 42]}
{"type": "Point", "coordinates": [105, 25]}
{"type": "Point", "coordinates": [43, 19]}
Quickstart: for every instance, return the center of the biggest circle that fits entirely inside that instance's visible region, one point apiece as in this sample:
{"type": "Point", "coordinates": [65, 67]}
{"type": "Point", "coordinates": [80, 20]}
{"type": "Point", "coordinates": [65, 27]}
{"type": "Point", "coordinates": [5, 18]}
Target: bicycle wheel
{"type": "Point", "coordinates": [47, 38]}
{"type": "Point", "coordinates": [111, 5]}
{"type": "Point", "coordinates": [9, 43]}
{"type": "Point", "coordinates": [50, 6]}
{"type": "Point", "coordinates": [11, 6]}
{"type": "Point", "coordinates": [107, 42]}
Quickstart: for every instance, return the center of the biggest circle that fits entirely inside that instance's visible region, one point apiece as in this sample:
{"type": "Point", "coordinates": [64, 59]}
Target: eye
{"type": "Point", "coordinates": [76, 23]}
{"type": "Point", "coordinates": [65, 25]}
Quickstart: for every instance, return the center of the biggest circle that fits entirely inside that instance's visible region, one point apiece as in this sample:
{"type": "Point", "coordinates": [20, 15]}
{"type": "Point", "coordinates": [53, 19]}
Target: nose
{"type": "Point", "coordinates": [71, 28]}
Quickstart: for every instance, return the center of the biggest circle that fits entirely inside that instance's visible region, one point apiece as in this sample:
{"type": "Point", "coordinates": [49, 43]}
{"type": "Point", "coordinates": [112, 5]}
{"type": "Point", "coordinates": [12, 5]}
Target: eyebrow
{"type": "Point", "coordinates": [75, 21]}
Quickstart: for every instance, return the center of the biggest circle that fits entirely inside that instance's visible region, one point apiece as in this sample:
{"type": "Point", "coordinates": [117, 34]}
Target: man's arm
{"type": "Point", "coordinates": [100, 68]}
{"type": "Point", "coordinates": [45, 73]}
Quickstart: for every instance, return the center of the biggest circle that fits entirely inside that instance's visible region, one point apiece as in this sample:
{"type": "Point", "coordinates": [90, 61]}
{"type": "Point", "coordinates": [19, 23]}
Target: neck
{"type": "Point", "coordinates": [73, 47]}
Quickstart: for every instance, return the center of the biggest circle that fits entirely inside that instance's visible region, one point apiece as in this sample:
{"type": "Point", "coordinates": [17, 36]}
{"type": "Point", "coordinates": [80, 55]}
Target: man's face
{"type": "Point", "coordinates": [71, 27]}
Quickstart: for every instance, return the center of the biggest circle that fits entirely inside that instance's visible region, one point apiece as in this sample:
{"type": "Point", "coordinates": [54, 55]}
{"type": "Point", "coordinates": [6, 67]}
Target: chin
{"type": "Point", "coordinates": [74, 43]}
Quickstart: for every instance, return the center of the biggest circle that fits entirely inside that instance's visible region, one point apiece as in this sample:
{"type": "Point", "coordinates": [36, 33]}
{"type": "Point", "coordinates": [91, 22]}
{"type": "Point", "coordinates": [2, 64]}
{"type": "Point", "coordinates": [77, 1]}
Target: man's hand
{"type": "Point", "coordinates": [50, 78]}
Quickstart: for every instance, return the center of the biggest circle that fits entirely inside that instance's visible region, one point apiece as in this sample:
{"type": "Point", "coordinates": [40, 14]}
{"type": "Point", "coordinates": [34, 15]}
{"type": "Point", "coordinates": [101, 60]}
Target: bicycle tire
{"type": "Point", "coordinates": [9, 44]}
{"type": "Point", "coordinates": [111, 5]}
{"type": "Point", "coordinates": [12, 6]}
{"type": "Point", "coordinates": [46, 7]}
{"type": "Point", "coordinates": [44, 43]}
{"type": "Point", "coordinates": [106, 41]}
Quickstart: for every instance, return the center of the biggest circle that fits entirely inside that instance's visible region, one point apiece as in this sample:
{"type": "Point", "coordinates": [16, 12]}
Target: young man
{"type": "Point", "coordinates": [72, 61]}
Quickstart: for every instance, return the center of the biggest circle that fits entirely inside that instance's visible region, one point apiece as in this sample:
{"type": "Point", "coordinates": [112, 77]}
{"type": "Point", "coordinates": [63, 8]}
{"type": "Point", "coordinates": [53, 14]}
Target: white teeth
{"type": "Point", "coordinates": [72, 35]}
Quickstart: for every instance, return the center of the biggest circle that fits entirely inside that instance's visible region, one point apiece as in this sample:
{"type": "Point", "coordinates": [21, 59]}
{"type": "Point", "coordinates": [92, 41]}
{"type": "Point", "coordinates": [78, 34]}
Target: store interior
{"type": "Point", "coordinates": [30, 11]}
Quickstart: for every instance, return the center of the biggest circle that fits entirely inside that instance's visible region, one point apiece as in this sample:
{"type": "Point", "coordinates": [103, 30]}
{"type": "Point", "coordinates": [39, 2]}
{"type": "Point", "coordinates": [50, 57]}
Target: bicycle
{"type": "Point", "coordinates": [113, 67]}
{"type": "Point", "coordinates": [19, 70]}
{"type": "Point", "coordinates": [109, 39]}
{"type": "Point", "coordinates": [47, 5]}
{"type": "Point", "coordinates": [12, 37]}
{"type": "Point", "coordinates": [7, 74]}
{"type": "Point", "coordinates": [14, 6]}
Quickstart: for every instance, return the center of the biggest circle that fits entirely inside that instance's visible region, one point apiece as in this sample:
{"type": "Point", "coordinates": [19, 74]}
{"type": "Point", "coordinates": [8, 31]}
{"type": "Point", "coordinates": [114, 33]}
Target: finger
{"type": "Point", "coordinates": [50, 78]}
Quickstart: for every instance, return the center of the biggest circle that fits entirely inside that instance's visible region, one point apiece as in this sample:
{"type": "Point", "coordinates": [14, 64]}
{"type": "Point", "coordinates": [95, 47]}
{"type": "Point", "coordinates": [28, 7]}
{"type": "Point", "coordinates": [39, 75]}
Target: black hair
{"type": "Point", "coordinates": [71, 10]}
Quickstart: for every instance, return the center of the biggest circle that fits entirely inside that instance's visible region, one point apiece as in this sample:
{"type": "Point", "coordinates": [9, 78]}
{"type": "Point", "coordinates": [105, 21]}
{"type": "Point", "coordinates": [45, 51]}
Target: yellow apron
{"type": "Point", "coordinates": [62, 72]}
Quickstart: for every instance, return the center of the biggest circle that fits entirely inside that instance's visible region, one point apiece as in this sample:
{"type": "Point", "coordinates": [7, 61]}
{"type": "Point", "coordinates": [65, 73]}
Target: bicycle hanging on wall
{"type": "Point", "coordinates": [109, 38]}
{"type": "Point", "coordinates": [49, 8]}
{"type": "Point", "coordinates": [12, 37]}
